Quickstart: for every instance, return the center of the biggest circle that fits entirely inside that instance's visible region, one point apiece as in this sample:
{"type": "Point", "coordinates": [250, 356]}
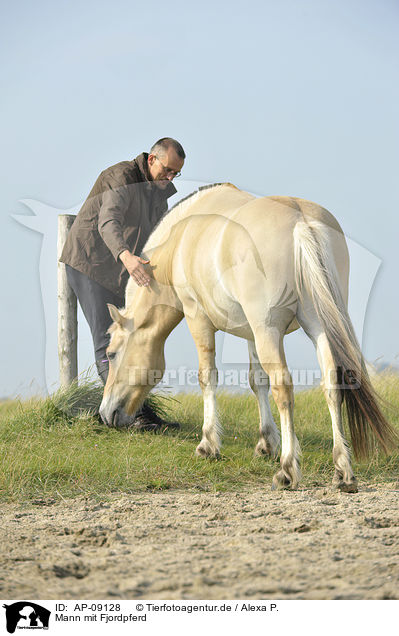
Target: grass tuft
{"type": "Point", "coordinates": [83, 398]}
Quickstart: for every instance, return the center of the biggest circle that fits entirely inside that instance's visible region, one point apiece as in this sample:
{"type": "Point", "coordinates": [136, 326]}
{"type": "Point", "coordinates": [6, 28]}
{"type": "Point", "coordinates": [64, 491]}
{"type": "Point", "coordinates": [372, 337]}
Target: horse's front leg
{"type": "Point", "coordinates": [203, 333]}
{"type": "Point", "coordinates": [269, 441]}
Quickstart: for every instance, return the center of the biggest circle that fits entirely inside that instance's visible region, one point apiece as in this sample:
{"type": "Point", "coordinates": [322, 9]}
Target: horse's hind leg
{"type": "Point", "coordinates": [269, 346]}
{"type": "Point", "coordinates": [203, 333]}
{"type": "Point", "coordinates": [344, 478]}
{"type": "Point", "coordinates": [269, 441]}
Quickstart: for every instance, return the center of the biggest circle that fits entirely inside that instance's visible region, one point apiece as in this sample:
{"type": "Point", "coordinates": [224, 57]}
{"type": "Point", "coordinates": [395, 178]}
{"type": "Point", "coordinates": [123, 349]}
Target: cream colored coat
{"type": "Point", "coordinates": [255, 268]}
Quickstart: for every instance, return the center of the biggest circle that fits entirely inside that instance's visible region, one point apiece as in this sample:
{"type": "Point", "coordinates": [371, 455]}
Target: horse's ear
{"type": "Point", "coordinates": [114, 313]}
{"type": "Point", "coordinates": [125, 323]}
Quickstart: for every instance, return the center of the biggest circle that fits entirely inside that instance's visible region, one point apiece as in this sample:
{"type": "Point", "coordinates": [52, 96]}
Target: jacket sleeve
{"type": "Point", "coordinates": [111, 219]}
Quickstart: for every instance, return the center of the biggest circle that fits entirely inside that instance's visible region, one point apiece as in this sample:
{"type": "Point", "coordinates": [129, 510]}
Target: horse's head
{"type": "Point", "coordinates": [136, 357]}
{"type": "Point", "coordinates": [136, 365]}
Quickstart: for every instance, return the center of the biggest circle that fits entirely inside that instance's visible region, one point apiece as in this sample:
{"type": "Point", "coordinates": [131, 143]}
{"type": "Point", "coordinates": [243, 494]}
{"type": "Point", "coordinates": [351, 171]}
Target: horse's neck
{"type": "Point", "coordinates": [157, 309]}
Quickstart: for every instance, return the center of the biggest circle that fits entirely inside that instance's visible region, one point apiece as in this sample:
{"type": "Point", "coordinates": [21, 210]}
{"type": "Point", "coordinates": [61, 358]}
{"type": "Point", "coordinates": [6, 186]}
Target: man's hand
{"type": "Point", "coordinates": [134, 265]}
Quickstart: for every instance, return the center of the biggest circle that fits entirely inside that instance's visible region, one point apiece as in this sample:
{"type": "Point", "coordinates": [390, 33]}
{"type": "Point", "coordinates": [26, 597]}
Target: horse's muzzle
{"type": "Point", "coordinates": [116, 418]}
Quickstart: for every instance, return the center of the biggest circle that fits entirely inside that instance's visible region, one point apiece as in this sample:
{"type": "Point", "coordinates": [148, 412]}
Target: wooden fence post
{"type": "Point", "coordinates": [67, 312]}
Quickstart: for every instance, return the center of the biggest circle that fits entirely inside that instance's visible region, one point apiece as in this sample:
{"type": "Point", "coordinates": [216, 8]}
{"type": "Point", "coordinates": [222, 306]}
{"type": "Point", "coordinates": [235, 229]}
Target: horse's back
{"type": "Point", "coordinates": [271, 222]}
{"type": "Point", "coordinates": [234, 255]}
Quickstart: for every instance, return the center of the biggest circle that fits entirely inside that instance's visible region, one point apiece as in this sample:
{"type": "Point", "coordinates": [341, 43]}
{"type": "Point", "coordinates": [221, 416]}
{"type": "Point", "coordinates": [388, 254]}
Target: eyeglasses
{"type": "Point", "coordinates": [168, 172]}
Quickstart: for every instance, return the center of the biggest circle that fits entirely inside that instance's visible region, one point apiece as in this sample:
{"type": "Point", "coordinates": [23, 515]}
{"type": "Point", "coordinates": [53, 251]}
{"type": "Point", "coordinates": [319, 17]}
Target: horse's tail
{"type": "Point", "coordinates": [316, 275]}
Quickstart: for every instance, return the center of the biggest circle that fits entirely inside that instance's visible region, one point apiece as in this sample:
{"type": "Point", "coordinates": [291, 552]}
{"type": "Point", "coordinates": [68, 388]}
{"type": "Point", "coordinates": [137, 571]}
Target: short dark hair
{"type": "Point", "coordinates": [165, 143]}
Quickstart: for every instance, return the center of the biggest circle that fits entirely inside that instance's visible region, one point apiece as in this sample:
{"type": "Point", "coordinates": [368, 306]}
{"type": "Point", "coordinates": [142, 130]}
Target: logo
{"type": "Point", "coordinates": [26, 615]}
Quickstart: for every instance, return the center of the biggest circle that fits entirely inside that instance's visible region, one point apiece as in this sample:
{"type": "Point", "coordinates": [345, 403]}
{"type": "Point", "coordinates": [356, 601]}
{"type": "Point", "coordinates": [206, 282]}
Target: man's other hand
{"type": "Point", "coordinates": [134, 265]}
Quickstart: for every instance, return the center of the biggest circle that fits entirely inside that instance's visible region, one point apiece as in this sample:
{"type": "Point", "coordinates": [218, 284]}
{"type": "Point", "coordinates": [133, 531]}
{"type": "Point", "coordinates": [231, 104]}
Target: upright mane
{"type": "Point", "coordinates": [176, 213]}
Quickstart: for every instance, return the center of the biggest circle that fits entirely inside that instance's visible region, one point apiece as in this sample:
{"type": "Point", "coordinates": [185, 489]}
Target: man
{"type": "Point", "coordinates": [104, 244]}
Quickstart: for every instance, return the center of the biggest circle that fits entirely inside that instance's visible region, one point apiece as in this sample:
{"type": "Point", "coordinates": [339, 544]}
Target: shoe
{"type": "Point", "coordinates": [147, 420]}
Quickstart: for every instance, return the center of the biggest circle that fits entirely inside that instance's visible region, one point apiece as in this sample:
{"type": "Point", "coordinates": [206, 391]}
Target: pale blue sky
{"type": "Point", "coordinates": [293, 97]}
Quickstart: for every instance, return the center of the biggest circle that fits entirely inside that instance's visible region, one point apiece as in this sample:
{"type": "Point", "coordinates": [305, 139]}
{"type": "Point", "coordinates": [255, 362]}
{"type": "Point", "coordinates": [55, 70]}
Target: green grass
{"type": "Point", "coordinates": [50, 448]}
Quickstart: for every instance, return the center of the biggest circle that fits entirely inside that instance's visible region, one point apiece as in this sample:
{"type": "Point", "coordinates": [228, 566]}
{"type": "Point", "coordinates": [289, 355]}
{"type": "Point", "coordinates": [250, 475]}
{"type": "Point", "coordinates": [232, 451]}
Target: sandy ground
{"type": "Point", "coordinates": [310, 544]}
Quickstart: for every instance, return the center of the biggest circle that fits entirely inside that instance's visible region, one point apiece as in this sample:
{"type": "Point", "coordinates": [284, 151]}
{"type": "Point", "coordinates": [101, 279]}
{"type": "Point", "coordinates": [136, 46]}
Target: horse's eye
{"type": "Point", "coordinates": [111, 355]}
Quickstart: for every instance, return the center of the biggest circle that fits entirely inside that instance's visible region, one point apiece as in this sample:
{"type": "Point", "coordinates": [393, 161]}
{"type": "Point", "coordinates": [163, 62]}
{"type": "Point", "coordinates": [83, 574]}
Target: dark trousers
{"type": "Point", "coordinates": [93, 299]}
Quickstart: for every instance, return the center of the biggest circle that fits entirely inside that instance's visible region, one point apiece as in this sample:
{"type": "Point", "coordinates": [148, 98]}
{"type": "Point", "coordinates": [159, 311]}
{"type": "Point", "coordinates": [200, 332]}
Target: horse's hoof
{"type": "Point", "coordinates": [345, 486]}
{"type": "Point", "coordinates": [206, 452]}
{"type": "Point", "coordinates": [261, 452]}
{"type": "Point", "coordinates": [348, 487]}
{"type": "Point", "coordinates": [281, 481]}
{"type": "Point", "coordinates": [263, 449]}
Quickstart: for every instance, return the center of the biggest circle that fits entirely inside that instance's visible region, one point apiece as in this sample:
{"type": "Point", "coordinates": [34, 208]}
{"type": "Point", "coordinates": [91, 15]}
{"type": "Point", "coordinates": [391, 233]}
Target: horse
{"type": "Point", "coordinates": [257, 268]}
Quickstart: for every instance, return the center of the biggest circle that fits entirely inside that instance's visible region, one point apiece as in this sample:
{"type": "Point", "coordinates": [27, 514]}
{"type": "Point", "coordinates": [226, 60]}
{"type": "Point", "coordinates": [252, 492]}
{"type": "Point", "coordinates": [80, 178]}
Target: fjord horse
{"type": "Point", "coordinates": [257, 268]}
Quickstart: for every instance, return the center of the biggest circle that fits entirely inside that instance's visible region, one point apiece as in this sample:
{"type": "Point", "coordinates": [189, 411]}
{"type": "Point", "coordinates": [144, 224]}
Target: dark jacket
{"type": "Point", "coordinates": [119, 214]}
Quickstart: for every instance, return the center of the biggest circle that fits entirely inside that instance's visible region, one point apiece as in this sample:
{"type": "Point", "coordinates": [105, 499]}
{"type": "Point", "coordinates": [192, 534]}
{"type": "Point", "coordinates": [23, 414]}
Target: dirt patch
{"type": "Point", "coordinates": [309, 544]}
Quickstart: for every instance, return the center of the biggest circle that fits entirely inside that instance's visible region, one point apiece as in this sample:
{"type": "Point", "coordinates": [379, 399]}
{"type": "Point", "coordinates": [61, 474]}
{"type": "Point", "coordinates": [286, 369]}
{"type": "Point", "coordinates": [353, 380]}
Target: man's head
{"type": "Point", "coordinates": [165, 160]}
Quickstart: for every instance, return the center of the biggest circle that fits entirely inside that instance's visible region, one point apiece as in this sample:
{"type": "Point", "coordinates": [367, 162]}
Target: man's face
{"type": "Point", "coordinates": [164, 167]}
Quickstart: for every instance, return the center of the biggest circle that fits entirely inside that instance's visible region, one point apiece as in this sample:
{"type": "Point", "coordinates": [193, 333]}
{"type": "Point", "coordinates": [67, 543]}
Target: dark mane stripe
{"type": "Point", "coordinates": [165, 216]}
{"type": "Point", "coordinates": [204, 187]}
